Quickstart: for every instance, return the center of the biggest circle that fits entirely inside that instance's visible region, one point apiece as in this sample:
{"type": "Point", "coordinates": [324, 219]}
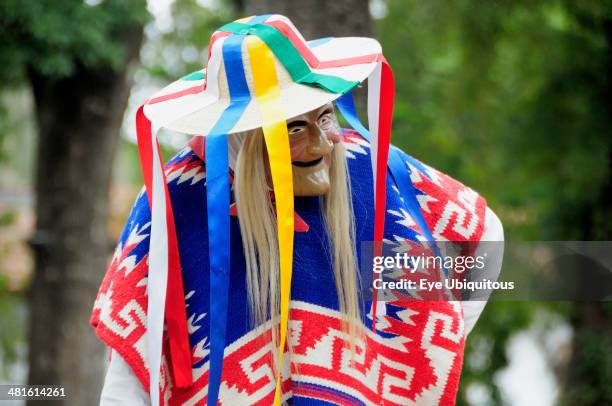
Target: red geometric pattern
{"type": "Point", "coordinates": [417, 366]}
{"type": "Point", "coordinates": [453, 211]}
{"type": "Point", "coordinates": [119, 315]}
{"type": "Point", "coordinates": [415, 357]}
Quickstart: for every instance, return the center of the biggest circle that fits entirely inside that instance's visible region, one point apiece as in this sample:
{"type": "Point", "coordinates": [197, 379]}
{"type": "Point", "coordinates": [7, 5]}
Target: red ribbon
{"type": "Point", "coordinates": [175, 311]}
{"type": "Point", "coordinates": [385, 121]}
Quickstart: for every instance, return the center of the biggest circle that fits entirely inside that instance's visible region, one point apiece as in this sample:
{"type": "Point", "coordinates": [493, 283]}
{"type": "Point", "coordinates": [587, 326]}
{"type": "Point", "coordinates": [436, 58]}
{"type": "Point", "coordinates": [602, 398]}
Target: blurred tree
{"type": "Point", "coordinates": [513, 98]}
{"type": "Point", "coordinates": [182, 46]}
{"type": "Point", "coordinates": [316, 18]}
{"type": "Point", "coordinates": [78, 57]}
{"type": "Point", "coordinates": [12, 318]}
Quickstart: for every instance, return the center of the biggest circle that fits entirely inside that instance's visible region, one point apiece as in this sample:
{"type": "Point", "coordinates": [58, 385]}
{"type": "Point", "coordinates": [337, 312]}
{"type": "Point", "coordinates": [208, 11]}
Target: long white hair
{"type": "Point", "coordinates": [258, 227]}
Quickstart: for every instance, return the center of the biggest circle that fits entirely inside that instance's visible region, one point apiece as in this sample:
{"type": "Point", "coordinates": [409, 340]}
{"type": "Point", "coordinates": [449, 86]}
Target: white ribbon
{"type": "Point", "coordinates": [373, 114]}
{"type": "Point", "coordinates": [373, 120]}
{"type": "Point", "coordinates": [158, 273]}
{"type": "Point", "coordinates": [157, 280]}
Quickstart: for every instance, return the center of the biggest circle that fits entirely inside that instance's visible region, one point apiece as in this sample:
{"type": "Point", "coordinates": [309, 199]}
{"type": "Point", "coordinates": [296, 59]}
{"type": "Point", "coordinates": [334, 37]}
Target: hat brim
{"type": "Point", "coordinates": [196, 112]}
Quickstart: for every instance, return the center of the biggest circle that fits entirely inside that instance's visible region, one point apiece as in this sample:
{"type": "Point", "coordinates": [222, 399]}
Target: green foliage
{"type": "Point", "coordinates": [7, 218]}
{"type": "Point", "coordinates": [590, 372]}
{"type": "Point", "coordinates": [12, 327]}
{"type": "Point", "coordinates": [486, 347]}
{"type": "Point", "coordinates": [175, 47]}
{"type": "Point", "coordinates": [183, 47]}
{"type": "Point", "coordinates": [54, 37]}
{"type": "Point", "coordinates": [513, 98]}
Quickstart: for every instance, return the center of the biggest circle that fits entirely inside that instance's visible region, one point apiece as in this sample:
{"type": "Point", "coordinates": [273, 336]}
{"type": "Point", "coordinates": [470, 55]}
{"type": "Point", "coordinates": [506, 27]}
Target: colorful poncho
{"type": "Point", "coordinates": [415, 356]}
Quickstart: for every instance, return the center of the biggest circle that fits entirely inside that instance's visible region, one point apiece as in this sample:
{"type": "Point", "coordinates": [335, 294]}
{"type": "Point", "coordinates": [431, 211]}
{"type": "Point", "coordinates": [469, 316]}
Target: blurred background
{"type": "Point", "coordinates": [511, 97]}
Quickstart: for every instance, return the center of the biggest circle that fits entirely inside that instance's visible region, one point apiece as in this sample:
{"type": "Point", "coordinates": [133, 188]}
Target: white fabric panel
{"type": "Point", "coordinates": [493, 231]}
{"type": "Point", "coordinates": [121, 387]}
{"type": "Point", "coordinates": [157, 279]}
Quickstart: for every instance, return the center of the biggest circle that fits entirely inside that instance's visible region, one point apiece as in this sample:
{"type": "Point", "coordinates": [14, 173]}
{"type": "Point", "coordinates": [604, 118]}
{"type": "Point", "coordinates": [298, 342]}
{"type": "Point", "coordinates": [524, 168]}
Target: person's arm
{"type": "Point", "coordinates": [493, 231]}
{"type": "Point", "coordinates": [121, 387]}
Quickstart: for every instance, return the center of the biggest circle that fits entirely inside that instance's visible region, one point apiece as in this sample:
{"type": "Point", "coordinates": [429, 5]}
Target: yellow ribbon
{"type": "Point", "coordinates": [267, 94]}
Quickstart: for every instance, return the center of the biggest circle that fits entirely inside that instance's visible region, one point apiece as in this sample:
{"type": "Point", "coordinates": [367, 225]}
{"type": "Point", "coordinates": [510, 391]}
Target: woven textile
{"type": "Point", "coordinates": [415, 357]}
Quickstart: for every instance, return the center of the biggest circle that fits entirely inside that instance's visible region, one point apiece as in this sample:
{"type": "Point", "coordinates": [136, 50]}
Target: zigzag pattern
{"type": "Point", "coordinates": [185, 167]}
{"type": "Point", "coordinates": [453, 211]}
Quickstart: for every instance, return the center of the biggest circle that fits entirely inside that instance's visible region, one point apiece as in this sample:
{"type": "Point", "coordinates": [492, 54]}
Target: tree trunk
{"type": "Point", "coordinates": [317, 18]}
{"type": "Point", "coordinates": [79, 119]}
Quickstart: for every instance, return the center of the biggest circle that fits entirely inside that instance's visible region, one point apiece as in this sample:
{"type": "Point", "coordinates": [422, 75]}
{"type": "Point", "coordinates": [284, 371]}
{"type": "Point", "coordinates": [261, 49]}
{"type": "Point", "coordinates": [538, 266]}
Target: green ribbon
{"type": "Point", "coordinates": [197, 75]}
{"type": "Point", "coordinates": [290, 57]}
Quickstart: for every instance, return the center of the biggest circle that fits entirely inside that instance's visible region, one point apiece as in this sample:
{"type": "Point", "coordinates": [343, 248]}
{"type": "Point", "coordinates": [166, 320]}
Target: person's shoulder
{"type": "Point", "coordinates": [434, 179]}
{"type": "Point", "coordinates": [183, 170]}
{"type": "Point", "coordinates": [359, 148]}
{"type": "Point", "coordinates": [444, 200]}
{"type": "Point", "coordinates": [355, 146]}
{"type": "Point", "coordinates": [453, 209]}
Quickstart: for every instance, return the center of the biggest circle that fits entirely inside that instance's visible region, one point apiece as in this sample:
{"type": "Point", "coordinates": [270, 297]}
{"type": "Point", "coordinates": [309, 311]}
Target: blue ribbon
{"type": "Point", "coordinates": [218, 202]}
{"type": "Point", "coordinates": [397, 169]}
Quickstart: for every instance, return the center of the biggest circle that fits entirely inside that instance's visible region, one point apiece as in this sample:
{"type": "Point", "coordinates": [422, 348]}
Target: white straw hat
{"type": "Point", "coordinates": [193, 104]}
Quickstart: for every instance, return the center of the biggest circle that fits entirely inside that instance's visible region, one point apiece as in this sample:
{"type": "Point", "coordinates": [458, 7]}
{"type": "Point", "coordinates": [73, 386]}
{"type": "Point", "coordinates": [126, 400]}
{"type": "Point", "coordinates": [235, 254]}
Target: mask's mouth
{"type": "Point", "coordinates": [307, 164]}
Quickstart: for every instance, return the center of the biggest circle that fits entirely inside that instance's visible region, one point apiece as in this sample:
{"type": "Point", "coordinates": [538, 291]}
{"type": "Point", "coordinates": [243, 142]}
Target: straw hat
{"type": "Point", "coordinates": [194, 103]}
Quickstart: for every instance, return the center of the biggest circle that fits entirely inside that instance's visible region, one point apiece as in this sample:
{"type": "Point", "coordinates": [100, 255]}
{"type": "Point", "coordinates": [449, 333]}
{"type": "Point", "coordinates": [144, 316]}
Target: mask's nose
{"type": "Point", "coordinates": [318, 144]}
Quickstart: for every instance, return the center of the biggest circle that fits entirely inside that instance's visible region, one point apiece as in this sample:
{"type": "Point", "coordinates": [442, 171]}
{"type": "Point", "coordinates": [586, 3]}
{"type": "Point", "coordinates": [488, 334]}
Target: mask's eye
{"type": "Point", "coordinates": [325, 121]}
{"type": "Point", "coordinates": [295, 130]}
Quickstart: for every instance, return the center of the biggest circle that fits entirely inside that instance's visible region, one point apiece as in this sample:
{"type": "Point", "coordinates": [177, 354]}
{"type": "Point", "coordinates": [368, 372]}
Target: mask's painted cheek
{"type": "Point", "coordinates": [333, 132]}
{"type": "Point", "coordinates": [297, 147]}
{"type": "Point", "coordinates": [333, 136]}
